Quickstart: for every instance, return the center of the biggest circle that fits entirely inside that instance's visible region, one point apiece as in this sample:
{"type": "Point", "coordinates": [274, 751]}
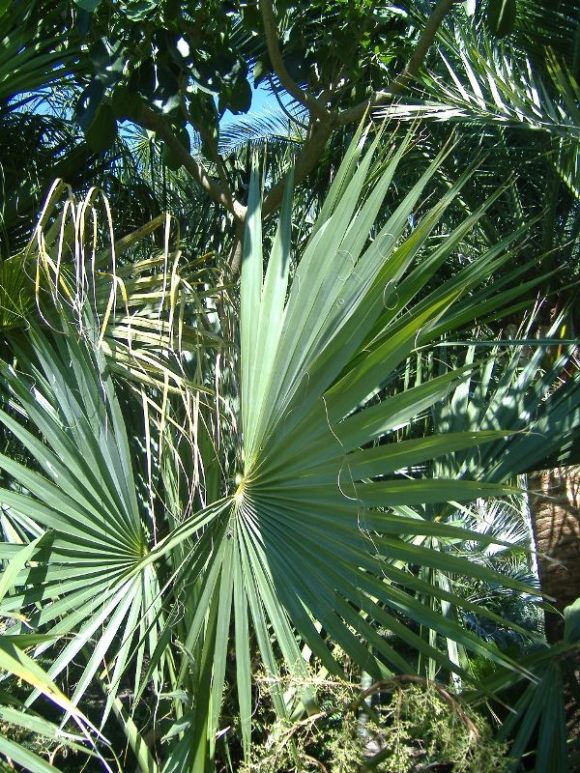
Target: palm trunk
{"type": "Point", "coordinates": [555, 506]}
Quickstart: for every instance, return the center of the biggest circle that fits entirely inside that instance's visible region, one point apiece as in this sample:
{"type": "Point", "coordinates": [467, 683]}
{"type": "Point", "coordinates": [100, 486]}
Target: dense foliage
{"type": "Point", "coordinates": [270, 387]}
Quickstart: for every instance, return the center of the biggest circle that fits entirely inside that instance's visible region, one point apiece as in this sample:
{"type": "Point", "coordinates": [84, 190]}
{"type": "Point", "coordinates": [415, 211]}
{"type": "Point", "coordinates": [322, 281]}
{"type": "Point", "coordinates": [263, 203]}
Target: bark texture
{"type": "Point", "coordinates": [555, 504]}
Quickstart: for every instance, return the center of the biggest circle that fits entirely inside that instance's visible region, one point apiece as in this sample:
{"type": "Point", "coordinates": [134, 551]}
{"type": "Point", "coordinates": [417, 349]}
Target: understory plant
{"type": "Point", "coordinates": [398, 725]}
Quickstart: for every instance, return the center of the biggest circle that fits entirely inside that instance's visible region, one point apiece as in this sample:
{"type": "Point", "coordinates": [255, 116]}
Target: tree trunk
{"type": "Point", "coordinates": [555, 505]}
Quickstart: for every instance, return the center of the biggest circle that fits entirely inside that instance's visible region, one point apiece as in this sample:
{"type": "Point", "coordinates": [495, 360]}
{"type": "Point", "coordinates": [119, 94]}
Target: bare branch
{"type": "Point", "coordinates": [315, 107]}
{"type": "Point", "coordinates": [214, 188]}
{"type": "Point", "coordinates": [282, 106]}
{"type": "Point", "coordinates": [423, 45]}
{"type": "Point", "coordinates": [235, 261]}
{"type": "Point", "coordinates": [305, 163]}
{"type": "Point", "coordinates": [214, 156]}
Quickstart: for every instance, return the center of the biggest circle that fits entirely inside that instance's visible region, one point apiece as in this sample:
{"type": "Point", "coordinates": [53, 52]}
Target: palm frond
{"type": "Point", "coordinates": [532, 390]}
{"type": "Point", "coordinates": [309, 540]}
{"type": "Point", "coordinates": [307, 547]}
{"type": "Point", "coordinates": [15, 663]}
{"type": "Point", "coordinates": [267, 127]}
{"type": "Point", "coordinates": [149, 312]}
{"type": "Point", "coordinates": [86, 503]}
{"type": "Point", "coordinates": [483, 83]}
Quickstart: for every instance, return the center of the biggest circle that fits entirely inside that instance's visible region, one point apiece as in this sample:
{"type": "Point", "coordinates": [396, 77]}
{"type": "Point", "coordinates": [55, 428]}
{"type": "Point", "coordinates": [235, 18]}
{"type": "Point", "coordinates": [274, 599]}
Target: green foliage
{"type": "Point", "coordinates": [28, 62]}
{"type": "Point", "coordinates": [315, 544]}
{"type": "Point", "coordinates": [572, 623]}
{"type": "Point", "coordinates": [169, 53]}
{"type": "Point", "coordinates": [400, 727]}
{"type": "Point", "coordinates": [17, 725]}
{"type": "Point", "coordinates": [234, 485]}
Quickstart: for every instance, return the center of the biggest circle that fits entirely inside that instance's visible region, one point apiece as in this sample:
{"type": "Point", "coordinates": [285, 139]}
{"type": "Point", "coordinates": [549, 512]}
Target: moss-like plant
{"type": "Point", "coordinates": [399, 725]}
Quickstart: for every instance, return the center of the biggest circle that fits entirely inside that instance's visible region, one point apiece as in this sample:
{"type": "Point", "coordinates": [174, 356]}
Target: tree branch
{"type": "Point", "coordinates": [315, 107]}
{"type": "Point", "coordinates": [423, 45]}
{"type": "Point", "coordinates": [214, 188]}
{"type": "Point", "coordinates": [282, 106]}
{"type": "Point", "coordinates": [305, 163]}
{"type": "Point", "coordinates": [411, 70]}
{"type": "Point", "coordinates": [235, 260]}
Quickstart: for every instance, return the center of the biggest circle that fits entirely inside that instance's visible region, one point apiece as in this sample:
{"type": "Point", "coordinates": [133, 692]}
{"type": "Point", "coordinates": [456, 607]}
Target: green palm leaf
{"type": "Point", "coordinates": [15, 661]}
{"type": "Point", "coordinates": [309, 549]}
{"type": "Point", "coordinates": [306, 545]}
{"type": "Point", "coordinates": [481, 82]}
{"type": "Point", "coordinates": [85, 499]}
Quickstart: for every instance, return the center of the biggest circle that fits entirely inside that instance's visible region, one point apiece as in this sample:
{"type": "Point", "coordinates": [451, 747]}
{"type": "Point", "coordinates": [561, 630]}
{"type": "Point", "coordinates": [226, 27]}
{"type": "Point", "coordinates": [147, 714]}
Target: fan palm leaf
{"type": "Point", "coordinates": [14, 662]}
{"type": "Point", "coordinates": [308, 540]}
{"type": "Point", "coordinates": [543, 703]}
{"type": "Point", "coordinates": [86, 502]}
{"type": "Point", "coordinates": [306, 547]}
